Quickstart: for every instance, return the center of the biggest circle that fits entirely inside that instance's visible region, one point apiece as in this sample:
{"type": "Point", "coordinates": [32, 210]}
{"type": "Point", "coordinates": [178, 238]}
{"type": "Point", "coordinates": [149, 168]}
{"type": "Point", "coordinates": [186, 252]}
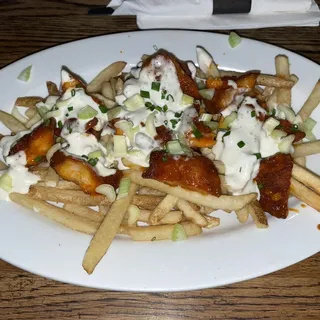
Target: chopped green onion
{"type": "Point", "coordinates": [165, 108]}
{"type": "Point", "coordinates": [178, 114]}
{"type": "Point", "coordinates": [173, 123]}
{"type": "Point", "coordinates": [163, 93]}
{"type": "Point", "coordinates": [207, 93]}
{"type": "Point", "coordinates": [135, 102]}
{"type": "Point", "coordinates": [234, 39]}
{"type": "Point", "coordinates": [113, 113]}
{"type": "Point", "coordinates": [253, 114]}
{"type": "Point", "coordinates": [38, 159]}
{"type": "Point", "coordinates": [67, 114]}
{"type": "Point", "coordinates": [165, 122]}
{"type": "Point", "coordinates": [294, 128]}
{"type": "Point", "coordinates": [149, 106]}
{"type": "Point", "coordinates": [70, 130]}
{"type": "Point", "coordinates": [144, 94]}
{"type": "Point", "coordinates": [95, 154]}
{"type": "Point", "coordinates": [258, 155]}
{"type": "Point", "coordinates": [170, 97]}
{"type": "Point", "coordinates": [73, 92]}
{"type": "Point", "coordinates": [103, 108]}
{"type": "Point", "coordinates": [205, 117]}
{"type": "Point", "coordinates": [225, 135]}
{"type": "Point", "coordinates": [196, 132]}
{"type": "Point", "coordinates": [60, 125]}
{"type": "Point", "coordinates": [174, 147]}
{"type": "Point", "coordinates": [186, 100]}
{"type": "Point", "coordinates": [155, 86]}
{"type": "Point", "coordinates": [213, 125]}
{"type": "Point", "coordinates": [87, 112]}
{"type": "Point", "coordinates": [84, 156]}
{"type": "Point", "coordinates": [150, 127]}
{"type": "Point", "coordinates": [229, 119]}
{"type": "Point", "coordinates": [241, 144]}
{"type": "Point", "coordinates": [260, 186]}
{"type": "Point", "coordinates": [70, 108]}
{"type": "Point", "coordinates": [123, 188]}
{"type": "Point", "coordinates": [158, 108]}
{"type": "Point", "coordinates": [6, 182]}
{"type": "Point", "coordinates": [178, 233]}
{"type": "Point", "coordinates": [25, 74]}
{"type": "Point", "coordinates": [93, 161]}
{"type": "Point", "coordinates": [119, 146]}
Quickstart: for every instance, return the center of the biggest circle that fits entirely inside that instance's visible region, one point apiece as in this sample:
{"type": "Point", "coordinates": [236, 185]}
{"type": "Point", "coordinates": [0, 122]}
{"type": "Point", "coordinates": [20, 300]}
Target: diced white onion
{"type": "Point", "coordinates": [16, 113]}
{"type": "Point", "coordinates": [135, 102]}
{"type": "Point", "coordinates": [270, 125]}
{"type": "Point", "coordinates": [120, 146]}
{"type": "Point", "coordinates": [174, 147]}
{"type": "Point", "coordinates": [207, 93]}
{"type": "Point", "coordinates": [107, 190]}
{"type": "Point", "coordinates": [285, 145]}
{"type": "Point", "coordinates": [150, 127]}
{"type": "Point", "coordinates": [134, 213]}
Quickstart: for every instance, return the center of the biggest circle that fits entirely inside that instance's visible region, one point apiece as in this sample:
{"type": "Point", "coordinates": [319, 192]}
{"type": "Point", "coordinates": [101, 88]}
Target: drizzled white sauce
{"type": "Point", "coordinates": [21, 178]}
{"type": "Point", "coordinates": [241, 163]}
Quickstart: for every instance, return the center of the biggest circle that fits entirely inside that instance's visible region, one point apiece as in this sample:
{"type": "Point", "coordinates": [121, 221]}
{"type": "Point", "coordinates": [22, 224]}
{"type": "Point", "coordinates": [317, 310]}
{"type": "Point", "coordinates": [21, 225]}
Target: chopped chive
{"type": "Point", "coordinates": [38, 159]}
{"type": "Point", "coordinates": [241, 144]}
{"type": "Point", "coordinates": [56, 108]}
{"type": "Point", "coordinates": [103, 108]}
{"type": "Point", "coordinates": [70, 108]}
{"type": "Point", "coordinates": [155, 86]}
{"type": "Point", "coordinates": [258, 155]}
{"type": "Point", "coordinates": [158, 108]}
{"type": "Point", "coordinates": [67, 114]}
{"type": "Point", "coordinates": [163, 93]}
{"type": "Point", "coordinates": [178, 114]}
{"type": "Point", "coordinates": [164, 158]}
{"type": "Point", "coordinates": [93, 161]}
{"type": "Point", "coordinates": [174, 123]}
{"type": "Point", "coordinates": [70, 130]}
{"type": "Point", "coordinates": [295, 128]}
{"type": "Point", "coordinates": [225, 135]}
{"type": "Point", "coordinates": [60, 125]}
{"type": "Point", "coordinates": [149, 106]}
{"type": "Point", "coordinates": [253, 114]}
{"type": "Point", "coordinates": [84, 156]}
{"type": "Point", "coordinates": [144, 94]}
{"type": "Point", "coordinates": [73, 92]}
{"type": "Point", "coordinates": [196, 132]}
{"type": "Point", "coordinates": [165, 108]}
{"type": "Point", "coordinates": [273, 112]}
{"type": "Point", "coordinates": [169, 96]}
{"type": "Point", "coordinates": [260, 186]}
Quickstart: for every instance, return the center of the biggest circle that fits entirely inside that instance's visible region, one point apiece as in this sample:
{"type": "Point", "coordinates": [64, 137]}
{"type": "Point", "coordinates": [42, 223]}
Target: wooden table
{"type": "Point", "coordinates": [293, 293]}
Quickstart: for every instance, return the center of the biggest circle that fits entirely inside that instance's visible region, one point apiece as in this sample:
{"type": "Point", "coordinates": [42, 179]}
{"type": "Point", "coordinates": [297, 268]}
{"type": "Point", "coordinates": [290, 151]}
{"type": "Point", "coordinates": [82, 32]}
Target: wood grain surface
{"type": "Point", "coordinates": [293, 293]}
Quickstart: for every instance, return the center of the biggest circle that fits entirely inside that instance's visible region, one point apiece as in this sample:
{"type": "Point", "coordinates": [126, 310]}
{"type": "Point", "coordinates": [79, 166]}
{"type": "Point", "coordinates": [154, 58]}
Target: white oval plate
{"type": "Point", "coordinates": [227, 254]}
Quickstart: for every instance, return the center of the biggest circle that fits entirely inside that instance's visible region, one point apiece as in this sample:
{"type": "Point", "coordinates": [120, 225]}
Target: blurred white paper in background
{"type": "Point", "coordinates": [197, 14]}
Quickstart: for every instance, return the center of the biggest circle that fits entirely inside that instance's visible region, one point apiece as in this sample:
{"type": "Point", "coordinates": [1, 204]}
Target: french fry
{"type": "Point", "coordinates": [191, 214]}
{"type": "Point", "coordinates": [28, 102]}
{"type": "Point", "coordinates": [52, 89]}
{"type": "Point", "coordinates": [57, 214]}
{"type": "Point", "coordinates": [258, 215]}
{"type": "Point", "coordinates": [84, 212]}
{"type": "Point", "coordinates": [36, 118]}
{"type": "Point", "coordinates": [155, 233]}
{"type": "Point", "coordinates": [119, 86]}
{"type": "Point", "coordinates": [306, 177]}
{"type": "Point", "coordinates": [283, 70]}
{"type": "Point", "coordinates": [205, 210]}
{"type": "Point", "coordinates": [306, 149]}
{"type": "Point", "coordinates": [106, 90]}
{"type": "Point", "coordinates": [66, 196]}
{"type": "Point", "coordinates": [272, 101]}
{"type": "Point", "coordinates": [212, 222]}
{"type": "Point", "coordinates": [113, 85]}
{"type": "Point", "coordinates": [105, 75]}
{"type": "Point", "coordinates": [311, 103]}
{"type": "Point", "coordinates": [163, 208]}
{"type": "Point", "coordinates": [51, 179]}
{"type": "Point", "coordinates": [3, 166]}
{"type": "Point", "coordinates": [267, 92]}
{"type": "Point", "coordinates": [107, 102]}
{"type": "Point", "coordinates": [222, 202]}
{"type": "Point", "coordinates": [103, 209]}
{"type": "Point", "coordinates": [149, 191]}
{"type": "Point", "coordinates": [31, 112]}
{"type": "Point", "coordinates": [243, 214]}
{"type": "Point", "coordinates": [39, 171]}
{"type": "Point", "coordinates": [107, 231]}
{"type": "Point", "coordinates": [301, 161]}
{"type": "Point", "coordinates": [147, 202]}
{"type": "Point", "coordinates": [303, 193]}
{"type": "Point", "coordinates": [11, 122]}
{"type": "Point", "coordinates": [172, 217]}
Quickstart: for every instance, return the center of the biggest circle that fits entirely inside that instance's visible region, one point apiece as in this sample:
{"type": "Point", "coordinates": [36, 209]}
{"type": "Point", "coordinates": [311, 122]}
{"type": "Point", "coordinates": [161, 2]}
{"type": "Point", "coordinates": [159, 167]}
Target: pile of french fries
{"type": "Point", "coordinates": [152, 208]}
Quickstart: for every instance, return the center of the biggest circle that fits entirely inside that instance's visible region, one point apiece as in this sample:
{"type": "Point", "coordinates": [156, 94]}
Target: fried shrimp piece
{"type": "Point", "coordinates": [81, 172]}
{"type": "Point", "coordinates": [37, 143]}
